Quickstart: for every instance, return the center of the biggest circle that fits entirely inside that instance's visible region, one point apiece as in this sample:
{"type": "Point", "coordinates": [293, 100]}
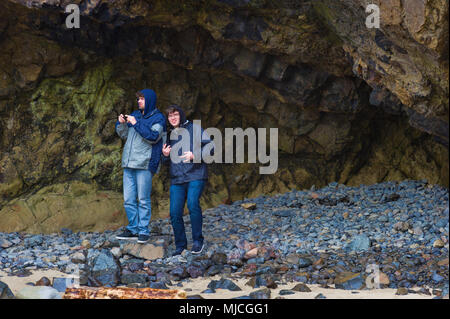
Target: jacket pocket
{"type": "Point", "coordinates": [140, 153]}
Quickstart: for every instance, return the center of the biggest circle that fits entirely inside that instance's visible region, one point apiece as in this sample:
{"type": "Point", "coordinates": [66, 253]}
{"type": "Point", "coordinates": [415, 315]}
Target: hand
{"type": "Point", "coordinates": [188, 156]}
{"type": "Point", "coordinates": [122, 119]}
{"type": "Point", "coordinates": [166, 150]}
{"type": "Point", "coordinates": [131, 119]}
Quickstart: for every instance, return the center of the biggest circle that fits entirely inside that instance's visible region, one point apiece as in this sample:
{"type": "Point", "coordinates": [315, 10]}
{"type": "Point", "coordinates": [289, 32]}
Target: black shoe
{"type": "Point", "coordinates": [127, 235]}
{"type": "Point", "coordinates": [142, 239]}
{"type": "Point", "coordinates": [197, 248]}
{"type": "Point", "coordinates": [178, 252]}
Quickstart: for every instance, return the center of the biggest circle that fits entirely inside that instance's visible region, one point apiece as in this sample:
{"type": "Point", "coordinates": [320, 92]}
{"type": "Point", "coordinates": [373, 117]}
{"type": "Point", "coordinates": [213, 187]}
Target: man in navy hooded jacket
{"type": "Point", "coordinates": [145, 132]}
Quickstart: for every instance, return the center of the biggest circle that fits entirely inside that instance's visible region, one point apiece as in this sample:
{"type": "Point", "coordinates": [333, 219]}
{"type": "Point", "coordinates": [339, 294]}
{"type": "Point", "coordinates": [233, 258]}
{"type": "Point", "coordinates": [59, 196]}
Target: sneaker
{"type": "Point", "coordinates": [142, 239]}
{"type": "Point", "coordinates": [197, 248]}
{"type": "Point", "coordinates": [178, 252]}
{"type": "Point", "coordinates": [127, 235]}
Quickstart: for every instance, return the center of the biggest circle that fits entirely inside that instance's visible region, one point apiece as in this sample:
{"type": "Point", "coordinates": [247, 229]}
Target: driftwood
{"type": "Point", "coordinates": [123, 293]}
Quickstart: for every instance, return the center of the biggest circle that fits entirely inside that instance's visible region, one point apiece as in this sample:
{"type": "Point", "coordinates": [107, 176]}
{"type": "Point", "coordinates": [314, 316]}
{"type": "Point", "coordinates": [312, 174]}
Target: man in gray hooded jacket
{"type": "Point", "coordinates": [145, 132]}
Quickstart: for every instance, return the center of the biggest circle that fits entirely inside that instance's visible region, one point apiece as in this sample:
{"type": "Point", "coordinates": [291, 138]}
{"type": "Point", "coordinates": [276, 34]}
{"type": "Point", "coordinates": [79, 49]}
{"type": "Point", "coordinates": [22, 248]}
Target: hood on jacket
{"type": "Point", "coordinates": [150, 101]}
{"type": "Point", "coordinates": [182, 115]}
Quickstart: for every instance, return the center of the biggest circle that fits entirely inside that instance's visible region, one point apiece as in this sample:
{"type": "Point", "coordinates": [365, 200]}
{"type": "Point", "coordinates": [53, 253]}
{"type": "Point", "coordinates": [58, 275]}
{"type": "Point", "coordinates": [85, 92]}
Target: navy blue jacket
{"type": "Point", "coordinates": [186, 172]}
{"type": "Point", "coordinates": [144, 140]}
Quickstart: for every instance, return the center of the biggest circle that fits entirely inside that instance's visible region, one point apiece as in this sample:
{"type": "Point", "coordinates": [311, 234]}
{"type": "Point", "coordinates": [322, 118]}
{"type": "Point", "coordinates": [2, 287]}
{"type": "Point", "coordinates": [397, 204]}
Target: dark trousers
{"type": "Point", "coordinates": [179, 193]}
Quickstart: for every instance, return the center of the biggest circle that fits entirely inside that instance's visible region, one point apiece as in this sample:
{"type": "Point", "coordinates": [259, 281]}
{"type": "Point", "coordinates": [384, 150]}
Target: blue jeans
{"type": "Point", "coordinates": [178, 194]}
{"type": "Point", "coordinates": [137, 186]}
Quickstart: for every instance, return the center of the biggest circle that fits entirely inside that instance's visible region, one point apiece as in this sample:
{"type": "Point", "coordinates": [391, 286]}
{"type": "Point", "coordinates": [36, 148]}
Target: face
{"type": "Point", "coordinates": [141, 102]}
{"type": "Point", "coordinates": [174, 118]}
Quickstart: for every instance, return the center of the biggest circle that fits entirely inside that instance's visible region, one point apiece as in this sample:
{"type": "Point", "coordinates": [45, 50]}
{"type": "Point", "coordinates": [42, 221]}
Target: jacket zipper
{"type": "Point", "coordinates": [131, 146]}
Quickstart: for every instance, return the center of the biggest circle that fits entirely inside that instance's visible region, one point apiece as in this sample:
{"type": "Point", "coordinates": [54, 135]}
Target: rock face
{"type": "Point", "coordinates": [407, 57]}
{"type": "Point", "coordinates": [351, 104]}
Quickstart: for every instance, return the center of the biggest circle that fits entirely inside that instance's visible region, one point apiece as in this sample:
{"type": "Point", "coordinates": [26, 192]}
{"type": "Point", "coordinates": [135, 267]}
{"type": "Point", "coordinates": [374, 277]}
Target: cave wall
{"type": "Point", "coordinates": [343, 115]}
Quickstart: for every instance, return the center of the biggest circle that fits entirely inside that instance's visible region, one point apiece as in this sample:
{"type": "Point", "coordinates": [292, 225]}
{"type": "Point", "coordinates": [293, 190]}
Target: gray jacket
{"type": "Point", "coordinates": [137, 151]}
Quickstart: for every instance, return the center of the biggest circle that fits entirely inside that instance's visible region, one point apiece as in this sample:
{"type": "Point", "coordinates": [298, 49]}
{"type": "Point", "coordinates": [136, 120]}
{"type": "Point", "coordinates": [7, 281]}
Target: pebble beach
{"type": "Point", "coordinates": [316, 243]}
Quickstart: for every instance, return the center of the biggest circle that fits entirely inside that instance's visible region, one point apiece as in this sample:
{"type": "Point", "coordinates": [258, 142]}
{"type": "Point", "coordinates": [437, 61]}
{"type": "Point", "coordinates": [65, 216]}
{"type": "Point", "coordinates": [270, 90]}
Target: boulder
{"type": "Point", "coordinates": [223, 283]}
{"type": "Point", "coordinates": [360, 243]}
{"type": "Point", "coordinates": [5, 292]}
{"type": "Point", "coordinates": [349, 281]}
{"type": "Point", "coordinates": [131, 278]}
{"type": "Point", "coordinates": [147, 251]}
{"type": "Point", "coordinates": [301, 288]}
{"type": "Point", "coordinates": [261, 294]}
{"type": "Point", "coordinates": [102, 268]}
{"type": "Point", "coordinates": [249, 206]}
{"type": "Point", "coordinates": [44, 281]}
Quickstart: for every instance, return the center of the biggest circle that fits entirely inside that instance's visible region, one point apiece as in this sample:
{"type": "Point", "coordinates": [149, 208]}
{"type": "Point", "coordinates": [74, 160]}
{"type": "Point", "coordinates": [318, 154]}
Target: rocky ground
{"type": "Point", "coordinates": [333, 237]}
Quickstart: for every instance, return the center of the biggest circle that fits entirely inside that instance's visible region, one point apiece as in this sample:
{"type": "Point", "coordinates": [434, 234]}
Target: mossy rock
{"type": "Point", "coordinates": [74, 205]}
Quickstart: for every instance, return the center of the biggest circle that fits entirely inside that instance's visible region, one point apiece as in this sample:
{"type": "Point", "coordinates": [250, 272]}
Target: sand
{"type": "Point", "coordinates": [196, 286]}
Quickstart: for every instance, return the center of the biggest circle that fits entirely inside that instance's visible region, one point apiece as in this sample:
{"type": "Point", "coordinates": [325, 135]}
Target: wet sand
{"type": "Point", "coordinates": [196, 286]}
